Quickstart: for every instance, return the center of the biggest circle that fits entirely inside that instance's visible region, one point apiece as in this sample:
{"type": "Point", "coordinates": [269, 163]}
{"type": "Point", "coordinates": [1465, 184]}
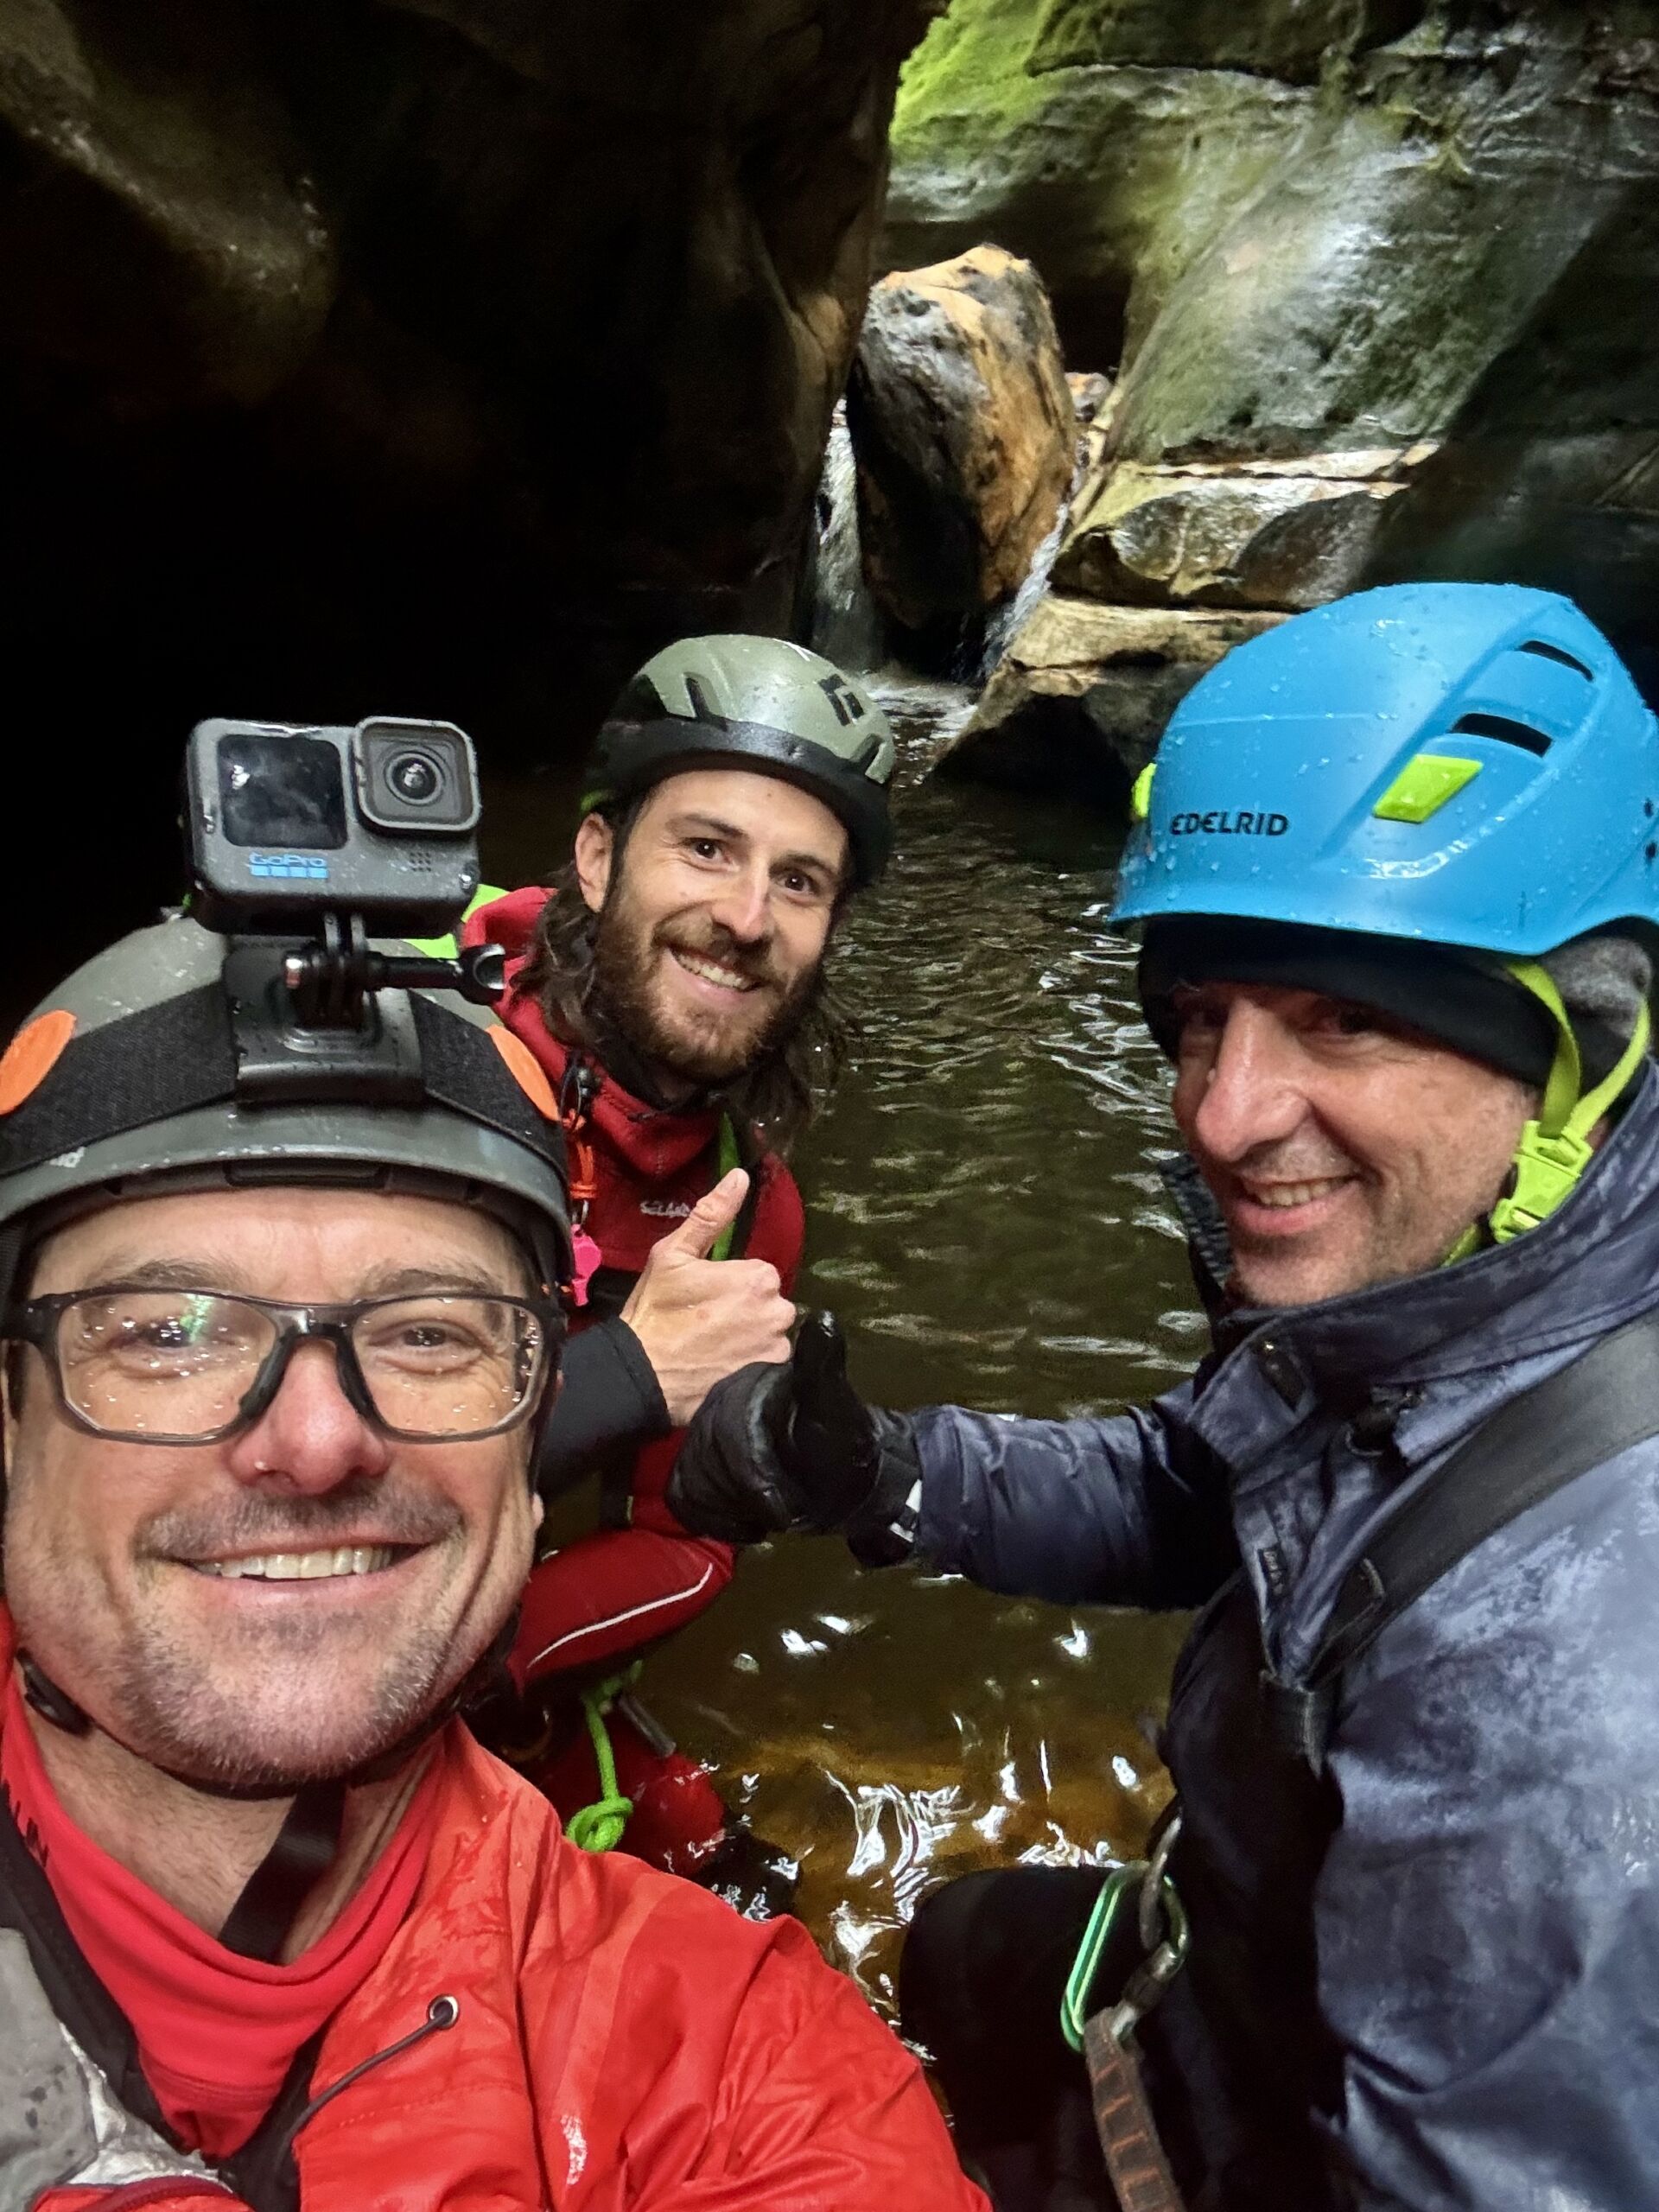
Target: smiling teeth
{"type": "Point", "coordinates": [300, 1567]}
{"type": "Point", "coordinates": [727, 978]}
{"type": "Point", "coordinates": [1281, 1196]}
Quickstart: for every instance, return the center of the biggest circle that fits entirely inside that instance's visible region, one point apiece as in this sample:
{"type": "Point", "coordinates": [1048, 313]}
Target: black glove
{"type": "Point", "coordinates": [795, 1447]}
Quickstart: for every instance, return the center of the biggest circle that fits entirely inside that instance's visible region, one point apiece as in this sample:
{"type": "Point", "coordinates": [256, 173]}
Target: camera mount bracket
{"type": "Point", "coordinates": [332, 982]}
{"type": "Point", "coordinates": [309, 1021]}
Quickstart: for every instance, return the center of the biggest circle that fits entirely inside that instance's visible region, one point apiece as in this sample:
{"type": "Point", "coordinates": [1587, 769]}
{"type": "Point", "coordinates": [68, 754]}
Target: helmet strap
{"type": "Point", "coordinates": [48, 1701]}
{"type": "Point", "coordinates": [1555, 1148]}
{"type": "Point", "coordinates": [257, 1925]}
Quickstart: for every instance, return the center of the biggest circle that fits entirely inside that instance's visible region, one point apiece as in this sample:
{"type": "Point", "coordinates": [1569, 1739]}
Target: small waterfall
{"type": "Point", "coordinates": [1003, 623]}
{"type": "Point", "coordinates": [847, 625]}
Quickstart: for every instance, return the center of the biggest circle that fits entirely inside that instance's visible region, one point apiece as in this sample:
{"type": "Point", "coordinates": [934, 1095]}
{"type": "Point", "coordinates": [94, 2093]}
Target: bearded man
{"type": "Point", "coordinates": [671, 983]}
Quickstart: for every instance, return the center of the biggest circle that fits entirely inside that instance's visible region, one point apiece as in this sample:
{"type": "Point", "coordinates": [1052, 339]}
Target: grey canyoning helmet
{"type": "Point", "coordinates": [178, 1059]}
{"type": "Point", "coordinates": [758, 704]}
{"type": "Point", "coordinates": [132, 1078]}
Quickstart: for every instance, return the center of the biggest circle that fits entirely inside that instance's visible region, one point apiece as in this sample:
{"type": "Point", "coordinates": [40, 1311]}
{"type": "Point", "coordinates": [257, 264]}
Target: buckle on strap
{"type": "Point", "coordinates": [1298, 1720]}
{"type": "Point", "coordinates": [1161, 1926]}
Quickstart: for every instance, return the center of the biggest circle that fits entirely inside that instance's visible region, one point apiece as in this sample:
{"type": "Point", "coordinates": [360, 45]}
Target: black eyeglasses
{"type": "Point", "coordinates": [147, 1366]}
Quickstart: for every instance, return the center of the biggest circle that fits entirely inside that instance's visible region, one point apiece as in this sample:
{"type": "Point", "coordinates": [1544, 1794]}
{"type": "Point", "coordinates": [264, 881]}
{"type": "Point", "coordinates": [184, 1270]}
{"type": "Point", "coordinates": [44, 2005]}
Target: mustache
{"type": "Point", "coordinates": [363, 1512]}
{"type": "Point", "coordinates": [753, 963]}
{"type": "Point", "coordinates": [1303, 1158]}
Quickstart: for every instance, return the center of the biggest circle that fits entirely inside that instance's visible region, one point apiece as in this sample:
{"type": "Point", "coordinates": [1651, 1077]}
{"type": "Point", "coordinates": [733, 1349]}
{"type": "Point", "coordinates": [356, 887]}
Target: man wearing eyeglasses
{"type": "Point", "coordinates": [271, 1924]}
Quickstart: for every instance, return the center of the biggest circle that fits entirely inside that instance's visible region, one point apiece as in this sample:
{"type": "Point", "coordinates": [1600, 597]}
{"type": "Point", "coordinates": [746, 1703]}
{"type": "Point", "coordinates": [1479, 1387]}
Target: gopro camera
{"type": "Point", "coordinates": [289, 823]}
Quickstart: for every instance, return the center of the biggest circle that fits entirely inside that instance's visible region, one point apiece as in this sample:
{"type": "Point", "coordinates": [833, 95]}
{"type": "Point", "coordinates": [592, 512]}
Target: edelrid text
{"type": "Point", "coordinates": [1242, 825]}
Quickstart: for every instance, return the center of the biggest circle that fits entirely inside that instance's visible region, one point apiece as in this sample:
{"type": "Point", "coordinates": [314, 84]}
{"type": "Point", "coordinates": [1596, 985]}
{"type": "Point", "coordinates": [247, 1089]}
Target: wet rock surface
{"type": "Point", "coordinates": [1079, 700]}
{"type": "Point", "coordinates": [964, 428]}
{"type": "Point", "coordinates": [436, 356]}
{"type": "Point", "coordinates": [1373, 277]}
{"type": "Point", "coordinates": [1278, 534]}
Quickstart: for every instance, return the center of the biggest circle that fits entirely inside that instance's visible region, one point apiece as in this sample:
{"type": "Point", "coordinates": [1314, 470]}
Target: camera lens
{"type": "Point", "coordinates": [415, 778]}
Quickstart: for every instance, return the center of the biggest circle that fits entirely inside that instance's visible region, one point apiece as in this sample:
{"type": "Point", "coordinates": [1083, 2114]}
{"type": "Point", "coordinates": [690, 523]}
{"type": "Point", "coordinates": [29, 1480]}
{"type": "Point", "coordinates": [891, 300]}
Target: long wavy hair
{"type": "Point", "coordinates": [779, 1093]}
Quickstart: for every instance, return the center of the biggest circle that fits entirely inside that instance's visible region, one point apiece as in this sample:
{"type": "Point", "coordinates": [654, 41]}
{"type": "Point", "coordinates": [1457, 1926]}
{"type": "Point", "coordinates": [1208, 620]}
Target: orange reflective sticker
{"type": "Point", "coordinates": [525, 1068]}
{"type": "Point", "coordinates": [32, 1055]}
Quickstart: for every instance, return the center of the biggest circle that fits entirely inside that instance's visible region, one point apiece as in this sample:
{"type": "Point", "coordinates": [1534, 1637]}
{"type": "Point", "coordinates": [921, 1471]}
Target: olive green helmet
{"type": "Point", "coordinates": [137, 1075]}
{"type": "Point", "coordinates": [758, 704]}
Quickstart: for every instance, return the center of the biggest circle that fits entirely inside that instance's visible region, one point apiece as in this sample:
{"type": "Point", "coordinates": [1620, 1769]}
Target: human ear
{"type": "Point", "coordinates": [596, 847]}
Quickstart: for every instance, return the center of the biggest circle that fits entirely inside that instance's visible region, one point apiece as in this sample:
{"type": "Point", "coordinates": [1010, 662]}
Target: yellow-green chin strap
{"type": "Point", "coordinates": [1555, 1149]}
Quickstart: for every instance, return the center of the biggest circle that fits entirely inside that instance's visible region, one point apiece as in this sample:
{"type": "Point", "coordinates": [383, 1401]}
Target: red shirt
{"type": "Point", "coordinates": [216, 2032]}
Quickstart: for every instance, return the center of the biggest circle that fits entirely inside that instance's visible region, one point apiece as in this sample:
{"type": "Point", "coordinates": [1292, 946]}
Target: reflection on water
{"type": "Point", "coordinates": [985, 1215]}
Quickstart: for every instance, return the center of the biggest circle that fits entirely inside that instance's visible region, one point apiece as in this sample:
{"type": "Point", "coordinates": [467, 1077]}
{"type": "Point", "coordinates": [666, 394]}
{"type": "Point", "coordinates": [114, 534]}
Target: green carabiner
{"type": "Point", "coordinates": [1157, 1969]}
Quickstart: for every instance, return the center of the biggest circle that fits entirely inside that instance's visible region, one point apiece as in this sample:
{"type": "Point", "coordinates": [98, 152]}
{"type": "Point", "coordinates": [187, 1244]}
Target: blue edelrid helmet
{"type": "Point", "coordinates": [1463, 763]}
{"type": "Point", "coordinates": [1464, 766]}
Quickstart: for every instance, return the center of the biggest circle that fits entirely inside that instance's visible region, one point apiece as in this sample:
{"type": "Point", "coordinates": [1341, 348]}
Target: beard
{"type": "Point", "coordinates": [704, 1047]}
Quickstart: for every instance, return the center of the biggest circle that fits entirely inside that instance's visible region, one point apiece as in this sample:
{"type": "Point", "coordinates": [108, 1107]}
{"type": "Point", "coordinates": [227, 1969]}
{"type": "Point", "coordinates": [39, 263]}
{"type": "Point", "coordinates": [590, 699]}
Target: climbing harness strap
{"type": "Point", "coordinates": [1128, 2134]}
{"type": "Point", "coordinates": [576, 1095]}
{"type": "Point", "coordinates": [600, 1827]}
{"type": "Point", "coordinates": [1584, 1414]}
{"type": "Point", "coordinates": [1106, 2036]}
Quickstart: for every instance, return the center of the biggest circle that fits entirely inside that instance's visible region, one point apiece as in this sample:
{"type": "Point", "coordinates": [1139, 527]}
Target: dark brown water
{"type": "Point", "coordinates": [985, 1215]}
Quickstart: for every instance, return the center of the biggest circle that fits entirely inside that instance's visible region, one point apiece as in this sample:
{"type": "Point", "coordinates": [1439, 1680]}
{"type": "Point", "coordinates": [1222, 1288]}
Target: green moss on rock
{"type": "Point", "coordinates": [1108, 178]}
{"type": "Point", "coordinates": [968, 81]}
{"type": "Point", "coordinates": [1292, 38]}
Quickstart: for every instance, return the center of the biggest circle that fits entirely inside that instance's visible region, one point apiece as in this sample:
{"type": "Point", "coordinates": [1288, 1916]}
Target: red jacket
{"type": "Point", "coordinates": [621, 2041]}
{"type": "Point", "coordinates": [606, 1594]}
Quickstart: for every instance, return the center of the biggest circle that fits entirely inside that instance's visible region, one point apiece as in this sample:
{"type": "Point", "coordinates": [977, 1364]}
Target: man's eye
{"type": "Point", "coordinates": [706, 848]}
{"type": "Point", "coordinates": [1353, 1020]}
{"type": "Point", "coordinates": [1197, 1016]}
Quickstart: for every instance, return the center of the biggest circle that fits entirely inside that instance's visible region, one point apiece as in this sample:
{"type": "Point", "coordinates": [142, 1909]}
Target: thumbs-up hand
{"type": "Point", "coordinates": [797, 1447]}
{"type": "Point", "coordinates": [700, 1320]}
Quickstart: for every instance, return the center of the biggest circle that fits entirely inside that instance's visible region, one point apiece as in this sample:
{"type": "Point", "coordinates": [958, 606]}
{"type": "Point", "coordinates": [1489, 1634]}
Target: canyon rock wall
{"type": "Point", "coordinates": [419, 356]}
{"type": "Point", "coordinates": [1376, 273]}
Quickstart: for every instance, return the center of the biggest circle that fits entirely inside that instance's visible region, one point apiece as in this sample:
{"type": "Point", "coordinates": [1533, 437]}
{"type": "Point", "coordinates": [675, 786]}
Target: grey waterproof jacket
{"type": "Point", "coordinates": [1433, 1979]}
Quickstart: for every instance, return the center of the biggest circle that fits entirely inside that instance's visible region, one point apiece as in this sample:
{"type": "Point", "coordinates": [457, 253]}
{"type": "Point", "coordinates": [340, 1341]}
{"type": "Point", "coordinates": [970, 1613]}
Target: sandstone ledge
{"type": "Point", "coordinates": [1082, 696]}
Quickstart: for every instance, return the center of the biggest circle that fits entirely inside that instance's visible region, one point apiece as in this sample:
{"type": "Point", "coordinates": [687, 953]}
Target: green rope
{"type": "Point", "coordinates": [729, 1158]}
{"type": "Point", "coordinates": [599, 1827]}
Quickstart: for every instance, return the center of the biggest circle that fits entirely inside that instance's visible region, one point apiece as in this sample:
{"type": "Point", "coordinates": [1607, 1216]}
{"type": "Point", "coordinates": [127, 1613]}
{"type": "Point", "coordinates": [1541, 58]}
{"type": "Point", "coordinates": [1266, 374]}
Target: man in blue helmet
{"type": "Point", "coordinates": [1398, 871]}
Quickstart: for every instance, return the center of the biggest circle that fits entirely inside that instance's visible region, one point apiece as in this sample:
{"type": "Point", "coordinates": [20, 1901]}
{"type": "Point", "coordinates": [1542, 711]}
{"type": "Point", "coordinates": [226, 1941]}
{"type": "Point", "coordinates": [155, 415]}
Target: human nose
{"type": "Point", "coordinates": [311, 1437]}
{"type": "Point", "coordinates": [1251, 1092]}
{"type": "Point", "coordinates": [743, 905]}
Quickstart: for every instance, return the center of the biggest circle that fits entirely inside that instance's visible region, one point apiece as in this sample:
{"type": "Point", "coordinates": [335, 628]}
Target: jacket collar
{"type": "Point", "coordinates": [654, 1140]}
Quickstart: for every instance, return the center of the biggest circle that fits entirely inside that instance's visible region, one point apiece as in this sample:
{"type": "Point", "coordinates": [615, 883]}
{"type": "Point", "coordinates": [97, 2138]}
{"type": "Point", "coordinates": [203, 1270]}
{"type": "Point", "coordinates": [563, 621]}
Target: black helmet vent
{"type": "Point", "coordinates": [639, 701]}
{"type": "Point", "coordinates": [1506, 731]}
{"type": "Point", "coordinates": [700, 705]}
{"type": "Point", "coordinates": [1538, 646]}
